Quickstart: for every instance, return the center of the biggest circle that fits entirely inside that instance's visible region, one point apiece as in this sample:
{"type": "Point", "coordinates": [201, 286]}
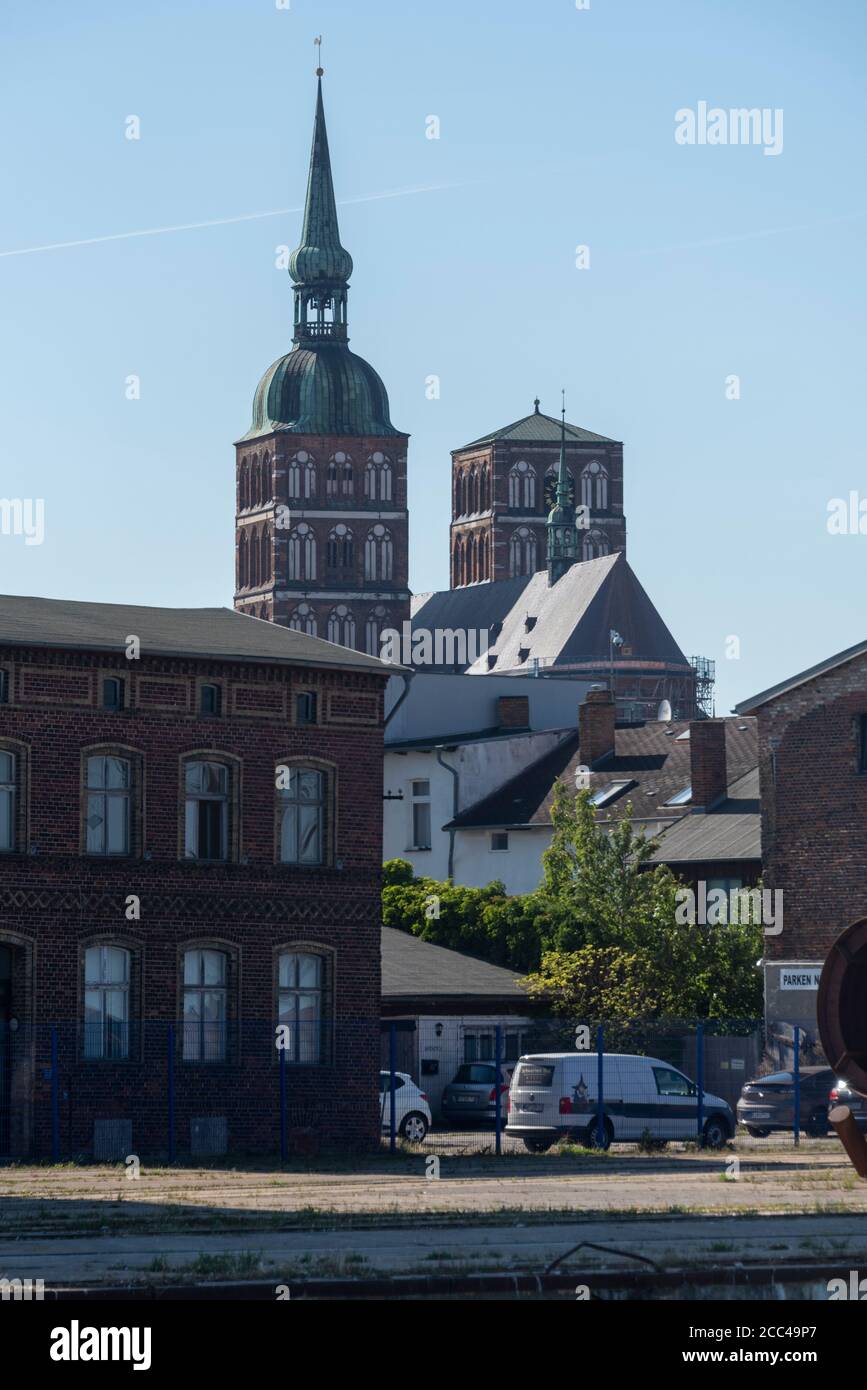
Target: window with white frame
{"type": "Point", "coordinates": [205, 1005]}
{"type": "Point", "coordinates": [420, 812]}
{"type": "Point", "coordinates": [109, 798]}
{"type": "Point", "coordinates": [106, 1002]}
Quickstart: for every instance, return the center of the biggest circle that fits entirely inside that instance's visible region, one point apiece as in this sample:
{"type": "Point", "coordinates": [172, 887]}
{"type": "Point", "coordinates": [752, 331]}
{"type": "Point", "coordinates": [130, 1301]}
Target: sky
{"type": "Point", "coordinates": [557, 129]}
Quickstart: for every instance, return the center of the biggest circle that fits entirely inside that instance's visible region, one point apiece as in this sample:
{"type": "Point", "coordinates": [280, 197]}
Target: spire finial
{"type": "Point", "coordinates": [537, 403]}
{"type": "Point", "coordinates": [317, 44]}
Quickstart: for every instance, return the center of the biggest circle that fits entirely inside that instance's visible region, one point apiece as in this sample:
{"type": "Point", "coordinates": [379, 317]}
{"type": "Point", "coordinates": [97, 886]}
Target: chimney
{"type": "Point", "coordinates": [596, 726]}
{"type": "Point", "coordinates": [707, 758]}
{"type": "Point", "coordinates": [513, 712]}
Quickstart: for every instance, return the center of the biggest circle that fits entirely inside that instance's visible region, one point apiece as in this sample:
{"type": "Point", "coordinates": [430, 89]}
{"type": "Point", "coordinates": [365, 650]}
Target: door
{"type": "Point", "coordinates": [676, 1105]}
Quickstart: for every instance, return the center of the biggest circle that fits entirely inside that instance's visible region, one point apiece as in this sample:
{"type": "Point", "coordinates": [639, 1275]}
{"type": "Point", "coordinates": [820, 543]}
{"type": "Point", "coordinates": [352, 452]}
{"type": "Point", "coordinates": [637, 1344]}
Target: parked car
{"type": "Point", "coordinates": [768, 1102]}
{"type": "Point", "coordinates": [842, 1094]}
{"type": "Point", "coordinates": [555, 1095]}
{"type": "Point", "coordinates": [411, 1109]}
{"type": "Point", "coordinates": [471, 1095]}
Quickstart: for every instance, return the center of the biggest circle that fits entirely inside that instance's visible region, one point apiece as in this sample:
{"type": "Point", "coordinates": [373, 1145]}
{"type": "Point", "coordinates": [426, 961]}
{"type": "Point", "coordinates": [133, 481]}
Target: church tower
{"type": "Point", "coordinates": [321, 533]}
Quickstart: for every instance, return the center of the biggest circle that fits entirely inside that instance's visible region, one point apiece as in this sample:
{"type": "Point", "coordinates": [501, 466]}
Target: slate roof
{"type": "Point", "coordinates": [217, 633]}
{"type": "Point", "coordinates": [730, 831]}
{"type": "Point", "coordinates": [829, 664]}
{"type": "Point", "coordinates": [411, 967]}
{"type": "Point", "coordinates": [539, 429]}
{"type": "Point", "coordinates": [648, 755]}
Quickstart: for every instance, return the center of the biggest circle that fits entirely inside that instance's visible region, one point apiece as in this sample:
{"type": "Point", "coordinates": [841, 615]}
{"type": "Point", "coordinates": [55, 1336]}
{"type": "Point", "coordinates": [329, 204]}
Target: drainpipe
{"type": "Point", "coordinates": [456, 775]}
{"type": "Point", "coordinates": [407, 678]}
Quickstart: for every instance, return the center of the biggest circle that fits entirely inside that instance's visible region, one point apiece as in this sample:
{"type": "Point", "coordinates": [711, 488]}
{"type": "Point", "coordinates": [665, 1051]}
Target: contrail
{"type": "Point", "coordinates": [227, 221]}
{"type": "Point", "coordinates": [749, 236]}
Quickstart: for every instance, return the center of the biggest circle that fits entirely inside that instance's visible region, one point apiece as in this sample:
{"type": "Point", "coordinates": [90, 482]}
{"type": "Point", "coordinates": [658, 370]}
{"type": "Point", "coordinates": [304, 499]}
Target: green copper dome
{"type": "Point", "coordinates": [326, 390]}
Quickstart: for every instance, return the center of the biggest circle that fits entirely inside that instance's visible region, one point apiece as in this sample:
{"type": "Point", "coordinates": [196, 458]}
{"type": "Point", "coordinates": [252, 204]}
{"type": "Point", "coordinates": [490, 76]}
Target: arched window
{"type": "Point", "coordinates": [483, 557]}
{"type": "Point", "coordinates": [303, 619]}
{"type": "Point", "coordinates": [473, 492]}
{"type": "Point", "coordinates": [331, 479]}
{"type": "Point", "coordinates": [456, 563]}
{"type": "Point", "coordinates": [346, 477]}
{"type": "Point", "coordinates": [109, 800]}
{"type": "Point", "coordinates": [301, 798]}
{"type": "Point", "coordinates": [302, 553]}
{"type": "Point", "coordinates": [340, 552]}
{"type": "Point", "coordinates": [106, 1002]}
{"type": "Point", "coordinates": [255, 555]}
{"type": "Point", "coordinates": [205, 1005]}
{"type": "Point", "coordinates": [206, 810]}
{"type": "Point", "coordinates": [595, 545]}
{"type": "Point", "coordinates": [243, 486]}
{"type": "Point", "coordinates": [265, 554]}
{"type": "Point", "coordinates": [385, 483]}
{"type": "Point", "coordinates": [302, 1006]}
{"type": "Point", "coordinates": [464, 496]}
{"type": "Point", "coordinates": [265, 489]}
{"type": "Point", "coordinates": [370, 482]}
{"type": "Point", "coordinates": [373, 630]}
{"type": "Point", "coordinates": [522, 552]}
{"type": "Point", "coordinates": [341, 627]}
{"type": "Point", "coordinates": [594, 487]}
{"type": "Point", "coordinates": [8, 801]}
{"type": "Point", "coordinates": [255, 481]}
{"type": "Point", "coordinates": [378, 554]}
{"type": "Point", "coordinates": [243, 562]}
{"type": "Point", "coordinates": [293, 476]}
{"type": "Point", "coordinates": [309, 480]}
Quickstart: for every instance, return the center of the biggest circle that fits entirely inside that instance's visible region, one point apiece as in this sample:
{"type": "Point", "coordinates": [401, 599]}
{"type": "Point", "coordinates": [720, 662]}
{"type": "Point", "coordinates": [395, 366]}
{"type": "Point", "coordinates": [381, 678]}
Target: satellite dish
{"type": "Point", "coordinates": [663, 714]}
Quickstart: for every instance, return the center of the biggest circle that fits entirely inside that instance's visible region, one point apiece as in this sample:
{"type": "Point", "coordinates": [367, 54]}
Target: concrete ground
{"type": "Point", "coordinates": [93, 1224]}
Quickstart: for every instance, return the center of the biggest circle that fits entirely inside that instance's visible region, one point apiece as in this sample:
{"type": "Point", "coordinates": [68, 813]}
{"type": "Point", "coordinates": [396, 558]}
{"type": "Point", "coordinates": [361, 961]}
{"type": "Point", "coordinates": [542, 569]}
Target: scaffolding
{"type": "Point", "coordinates": [705, 677]}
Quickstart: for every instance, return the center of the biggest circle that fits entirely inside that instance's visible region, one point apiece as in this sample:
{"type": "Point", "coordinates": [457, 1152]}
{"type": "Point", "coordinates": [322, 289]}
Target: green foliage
{"type": "Point", "coordinates": [599, 938]}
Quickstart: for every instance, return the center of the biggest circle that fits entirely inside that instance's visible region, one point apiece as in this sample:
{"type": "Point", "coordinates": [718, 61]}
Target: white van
{"type": "Point", "coordinates": [554, 1095]}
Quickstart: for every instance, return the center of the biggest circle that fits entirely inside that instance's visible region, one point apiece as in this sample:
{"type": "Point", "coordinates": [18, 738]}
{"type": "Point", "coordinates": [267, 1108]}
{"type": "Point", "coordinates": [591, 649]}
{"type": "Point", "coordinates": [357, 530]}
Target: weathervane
{"type": "Point", "coordinates": [317, 43]}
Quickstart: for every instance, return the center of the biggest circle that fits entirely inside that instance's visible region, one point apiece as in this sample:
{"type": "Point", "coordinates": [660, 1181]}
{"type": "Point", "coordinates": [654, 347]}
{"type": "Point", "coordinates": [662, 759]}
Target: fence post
{"type": "Point", "coordinates": [699, 1080]}
{"type": "Point", "coordinates": [284, 1138]}
{"type": "Point", "coordinates": [498, 1103]}
{"type": "Point", "coordinates": [600, 1102]}
{"type": "Point", "coordinates": [392, 1069]}
{"type": "Point", "coordinates": [170, 1090]}
{"type": "Point", "coordinates": [797, 1073]}
{"type": "Point", "coordinates": [55, 1097]}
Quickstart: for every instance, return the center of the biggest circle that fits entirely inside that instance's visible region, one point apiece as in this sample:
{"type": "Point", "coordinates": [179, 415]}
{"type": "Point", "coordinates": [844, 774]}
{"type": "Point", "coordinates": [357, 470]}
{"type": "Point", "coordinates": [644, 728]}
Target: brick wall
{"type": "Point", "coordinates": [54, 901]}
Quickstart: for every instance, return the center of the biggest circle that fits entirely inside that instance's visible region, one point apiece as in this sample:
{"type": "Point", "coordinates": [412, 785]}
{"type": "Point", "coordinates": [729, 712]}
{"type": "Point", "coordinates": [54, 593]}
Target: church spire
{"type": "Point", "coordinates": [321, 266]}
{"type": "Point", "coordinates": [562, 535]}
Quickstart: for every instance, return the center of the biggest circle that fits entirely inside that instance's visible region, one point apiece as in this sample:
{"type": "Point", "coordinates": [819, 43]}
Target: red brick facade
{"type": "Point", "coordinates": [321, 538]}
{"type": "Point", "coordinates": [57, 900]}
{"type": "Point", "coordinates": [501, 497]}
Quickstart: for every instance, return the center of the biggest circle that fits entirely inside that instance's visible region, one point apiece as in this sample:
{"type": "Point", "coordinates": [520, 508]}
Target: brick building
{"type": "Point", "coordinates": [321, 530]}
{"type": "Point", "coordinates": [504, 487]}
{"type": "Point", "coordinates": [190, 852]}
{"type": "Point", "coordinates": [813, 770]}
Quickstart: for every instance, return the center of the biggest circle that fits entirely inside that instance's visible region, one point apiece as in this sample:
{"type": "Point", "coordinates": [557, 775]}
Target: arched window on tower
{"type": "Point", "coordinates": [303, 620]}
{"type": "Point", "coordinates": [595, 545]}
{"type": "Point", "coordinates": [341, 627]}
{"type": "Point", "coordinates": [309, 479]}
{"type": "Point", "coordinates": [265, 488]}
{"type": "Point", "coordinates": [522, 487]}
{"type": "Point", "coordinates": [340, 553]}
{"type": "Point", "coordinates": [331, 479]}
{"type": "Point", "coordinates": [464, 502]}
{"type": "Point", "coordinates": [522, 552]}
{"type": "Point", "coordinates": [255, 497]}
{"type": "Point", "coordinates": [456, 563]}
{"type": "Point", "coordinates": [265, 552]}
{"type": "Point", "coordinates": [302, 553]}
{"type": "Point", "coordinates": [373, 630]}
{"type": "Point", "coordinates": [346, 480]}
{"type": "Point", "coordinates": [385, 482]}
{"type": "Point", "coordinates": [243, 562]}
{"type": "Point", "coordinates": [370, 482]}
{"type": "Point", "coordinates": [293, 476]}
{"type": "Point", "coordinates": [243, 486]}
{"type": "Point", "coordinates": [594, 487]}
{"type": "Point", "coordinates": [483, 556]}
{"type": "Point", "coordinates": [254, 559]}
{"type": "Point", "coordinates": [378, 554]}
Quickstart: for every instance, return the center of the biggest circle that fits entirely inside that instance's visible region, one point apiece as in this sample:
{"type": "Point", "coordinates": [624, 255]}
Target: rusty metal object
{"type": "Point", "coordinates": [841, 1007]}
{"type": "Point", "coordinates": [850, 1137]}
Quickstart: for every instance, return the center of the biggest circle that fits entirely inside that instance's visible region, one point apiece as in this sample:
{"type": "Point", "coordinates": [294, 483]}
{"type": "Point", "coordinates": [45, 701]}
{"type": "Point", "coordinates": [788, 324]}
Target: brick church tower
{"type": "Point", "coordinates": [504, 489]}
{"type": "Point", "coordinates": [321, 533]}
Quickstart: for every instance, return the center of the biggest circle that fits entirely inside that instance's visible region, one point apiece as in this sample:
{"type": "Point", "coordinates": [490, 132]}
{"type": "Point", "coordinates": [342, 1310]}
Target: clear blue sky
{"type": "Point", "coordinates": [557, 128]}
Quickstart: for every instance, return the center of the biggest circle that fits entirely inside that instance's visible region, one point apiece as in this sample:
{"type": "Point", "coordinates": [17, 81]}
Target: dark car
{"type": "Point", "coordinates": [768, 1103]}
{"type": "Point", "coordinates": [471, 1095]}
{"type": "Point", "coordinates": [842, 1094]}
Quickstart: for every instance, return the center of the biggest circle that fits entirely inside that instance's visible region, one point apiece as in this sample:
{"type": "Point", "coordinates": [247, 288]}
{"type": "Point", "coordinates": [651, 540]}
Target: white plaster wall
{"type": "Point", "coordinates": [519, 867]}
